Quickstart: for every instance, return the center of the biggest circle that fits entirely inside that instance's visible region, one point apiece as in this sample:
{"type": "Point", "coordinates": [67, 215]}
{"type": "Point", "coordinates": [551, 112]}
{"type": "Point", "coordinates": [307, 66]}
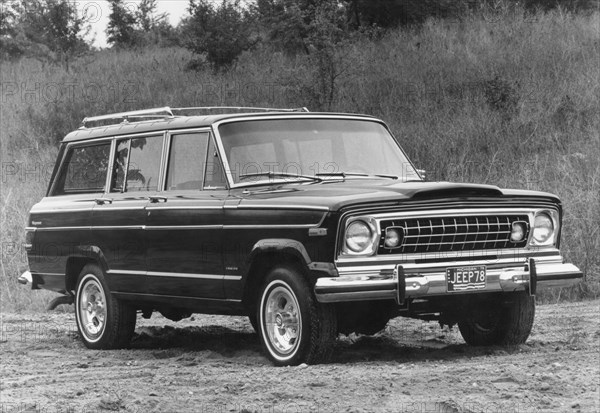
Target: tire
{"type": "Point", "coordinates": [293, 327]}
{"type": "Point", "coordinates": [507, 322]}
{"type": "Point", "coordinates": [253, 322]}
{"type": "Point", "coordinates": [103, 321]}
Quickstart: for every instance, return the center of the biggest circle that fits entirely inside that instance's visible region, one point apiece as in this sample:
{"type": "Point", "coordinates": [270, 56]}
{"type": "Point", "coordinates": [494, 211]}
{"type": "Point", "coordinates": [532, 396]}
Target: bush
{"type": "Point", "coordinates": [220, 33]}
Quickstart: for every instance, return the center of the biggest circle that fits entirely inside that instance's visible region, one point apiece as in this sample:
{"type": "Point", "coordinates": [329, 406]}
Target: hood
{"type": "Point", "coordinates": [339, 194]}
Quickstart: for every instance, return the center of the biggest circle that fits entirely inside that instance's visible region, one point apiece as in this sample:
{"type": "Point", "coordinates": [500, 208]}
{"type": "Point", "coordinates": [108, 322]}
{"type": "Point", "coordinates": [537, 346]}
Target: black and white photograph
{"type": "Point", "coordinates": [310, 206]}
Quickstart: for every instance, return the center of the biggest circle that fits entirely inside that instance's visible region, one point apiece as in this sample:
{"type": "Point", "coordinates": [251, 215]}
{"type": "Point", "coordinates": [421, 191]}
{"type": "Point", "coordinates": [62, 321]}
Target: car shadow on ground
{"type": "Point", "coordinates": [233, 344]}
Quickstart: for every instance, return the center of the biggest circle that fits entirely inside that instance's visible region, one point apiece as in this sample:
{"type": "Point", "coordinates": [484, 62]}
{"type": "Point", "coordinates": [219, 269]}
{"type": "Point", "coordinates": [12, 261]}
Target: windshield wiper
{"type": "Point", "coordinates": [272, 174]}
{"type": "Point", "coordinates": [345, 174]}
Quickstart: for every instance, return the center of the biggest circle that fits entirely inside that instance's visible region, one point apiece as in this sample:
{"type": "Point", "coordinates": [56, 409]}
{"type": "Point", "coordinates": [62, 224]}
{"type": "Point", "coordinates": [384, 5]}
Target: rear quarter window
{"type": "Point", "coordinates": [84, 170]}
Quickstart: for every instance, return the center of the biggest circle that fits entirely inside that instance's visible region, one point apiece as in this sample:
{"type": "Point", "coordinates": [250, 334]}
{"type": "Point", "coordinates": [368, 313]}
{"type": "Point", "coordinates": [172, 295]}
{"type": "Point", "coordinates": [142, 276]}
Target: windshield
{"type": "Point", "coordinates": [301, 149]}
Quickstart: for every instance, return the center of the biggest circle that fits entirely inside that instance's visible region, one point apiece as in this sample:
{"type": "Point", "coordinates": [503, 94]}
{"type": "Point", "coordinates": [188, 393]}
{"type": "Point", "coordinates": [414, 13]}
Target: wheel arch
{"type": "Point", "coordinates": [267, 254]}
{"type": "Point", "coordinates": [75, 263]}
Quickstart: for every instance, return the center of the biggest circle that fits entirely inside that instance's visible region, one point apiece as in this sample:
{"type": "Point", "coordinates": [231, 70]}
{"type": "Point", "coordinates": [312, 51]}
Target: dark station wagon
{"type": "Point", "coordinates": [310, 224]}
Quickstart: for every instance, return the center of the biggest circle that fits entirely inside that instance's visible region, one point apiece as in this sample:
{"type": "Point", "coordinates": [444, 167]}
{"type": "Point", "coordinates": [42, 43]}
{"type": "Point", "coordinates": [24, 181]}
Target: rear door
{"type": "Point", "coordinates": [61, 222]}
{"type": "Point", "coordinates": [119, 218]}
{"type": "Point", "coordinates": [185, 220]}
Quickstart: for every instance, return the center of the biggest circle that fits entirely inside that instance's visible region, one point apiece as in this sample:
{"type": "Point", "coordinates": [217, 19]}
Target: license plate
{"type": "Point", "coordinates": [466, 278]}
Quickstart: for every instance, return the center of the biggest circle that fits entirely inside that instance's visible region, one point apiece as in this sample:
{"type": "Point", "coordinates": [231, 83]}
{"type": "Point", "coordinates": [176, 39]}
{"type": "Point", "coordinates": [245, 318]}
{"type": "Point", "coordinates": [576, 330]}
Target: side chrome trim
{"type": "Point", "coordinates": [174, 227]}
{"type": "Point", "coordinates": [48, 229]}
{"type": "Point", "coordinates": [197, 276]}
{"type": "Point", "coordinates": [191, 207]}
{"type": "Point", "coordinates": [279, 207]}
{"type": "Point", "coordinates": [120, 208]}
{"type": "Point", "coordinates": [177, 275]}
{"type": "Point", "coordinates": [126, 272]}
{"type": "Point", "coordinates": [54, 211]}
{"type": "Point", "coordinates": [282, 226]}
{"type": "Point", "coordinates": [111, 227]}
{"type": "Point", "coordinates": [180, 227]}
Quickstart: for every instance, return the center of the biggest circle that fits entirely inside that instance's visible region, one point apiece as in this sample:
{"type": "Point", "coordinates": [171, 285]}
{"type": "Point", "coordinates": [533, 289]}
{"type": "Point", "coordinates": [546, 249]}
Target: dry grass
{"type": "Point", "coordinates": [509, 99]}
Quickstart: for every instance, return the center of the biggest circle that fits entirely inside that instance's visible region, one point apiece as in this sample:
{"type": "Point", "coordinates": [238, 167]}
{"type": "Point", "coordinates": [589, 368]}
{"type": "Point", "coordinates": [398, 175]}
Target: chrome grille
{"type": "Point", "coordinates": [463, 233]}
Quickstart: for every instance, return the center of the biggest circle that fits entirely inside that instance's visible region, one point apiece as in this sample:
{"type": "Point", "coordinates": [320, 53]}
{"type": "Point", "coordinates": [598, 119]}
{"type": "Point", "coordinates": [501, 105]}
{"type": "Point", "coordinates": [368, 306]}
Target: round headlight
{"type": "Point", "coordinates": [392, 238]}
{"type": "Point", "coordinates": [519, 229]}
{"type": "Point", "coordinates": [358, 236]}
{"type": "Point", "coordinates": [543, 228]}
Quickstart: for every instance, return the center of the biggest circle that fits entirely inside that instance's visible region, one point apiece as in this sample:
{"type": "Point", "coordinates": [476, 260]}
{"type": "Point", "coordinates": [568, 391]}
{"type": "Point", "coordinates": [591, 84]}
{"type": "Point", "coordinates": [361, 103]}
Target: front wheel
{"type": "Point", "coordinates": [500, 322]}
{"type": "Point", "coordinates": [103, 321]}
{"type": "Point", "coordinates": [294, 328]}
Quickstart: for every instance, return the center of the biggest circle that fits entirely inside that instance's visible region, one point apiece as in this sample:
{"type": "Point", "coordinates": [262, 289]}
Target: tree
{"type": "Point", "coordinates": [286, 23]}
{"type": "Point", "coordinates": [49, 30]}
{"type": "Point", "coordinates": [139, 27]}
{"type": "Point", "coordinates": [221, 33]}
{"type": "Point", "coordinates": [9, 46]}
{"type": "Point", "coordinates": [121, 29]}
{"type": "Point", "coordinates": [147, 20]}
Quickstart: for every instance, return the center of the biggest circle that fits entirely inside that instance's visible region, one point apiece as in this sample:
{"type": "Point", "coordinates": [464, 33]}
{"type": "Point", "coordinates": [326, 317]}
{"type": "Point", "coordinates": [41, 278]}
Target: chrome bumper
{"type": "Point", "coordinates": [26, 279]}
{"type": "Point", "coordinates": [421, 283]}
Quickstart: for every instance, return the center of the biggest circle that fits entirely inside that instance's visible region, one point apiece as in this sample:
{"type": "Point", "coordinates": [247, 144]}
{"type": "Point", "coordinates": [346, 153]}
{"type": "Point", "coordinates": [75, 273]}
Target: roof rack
{"type": "Point", "coordinates": [209, 108]}
{"type": "Point", "coordinates": [135, 114]}
{"type": "Point", "coordinates": [167, 113]}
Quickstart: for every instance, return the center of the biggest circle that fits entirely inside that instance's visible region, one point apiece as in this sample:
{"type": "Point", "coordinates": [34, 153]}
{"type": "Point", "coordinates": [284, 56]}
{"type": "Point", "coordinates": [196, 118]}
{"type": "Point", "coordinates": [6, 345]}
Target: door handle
{"type": "Point", "coordinates": [155, 199]}
{"type": "Point", "coordinates": [102, 201]}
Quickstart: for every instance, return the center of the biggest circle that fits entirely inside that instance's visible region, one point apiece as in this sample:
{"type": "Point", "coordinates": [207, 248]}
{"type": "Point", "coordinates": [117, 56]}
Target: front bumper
{"type": "Point", "coordinates": [405, 282]}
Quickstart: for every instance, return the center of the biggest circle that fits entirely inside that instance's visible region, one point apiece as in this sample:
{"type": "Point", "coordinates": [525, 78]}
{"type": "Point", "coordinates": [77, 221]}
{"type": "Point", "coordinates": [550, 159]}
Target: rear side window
{"type": "Point", "coordinates": [137, 164]}
{"type": "Point", "coordinates": [84, 170]}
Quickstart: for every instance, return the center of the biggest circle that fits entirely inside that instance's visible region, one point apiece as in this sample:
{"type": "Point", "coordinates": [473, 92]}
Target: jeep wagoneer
{"type": "Point", "coordinates": [311, 224]}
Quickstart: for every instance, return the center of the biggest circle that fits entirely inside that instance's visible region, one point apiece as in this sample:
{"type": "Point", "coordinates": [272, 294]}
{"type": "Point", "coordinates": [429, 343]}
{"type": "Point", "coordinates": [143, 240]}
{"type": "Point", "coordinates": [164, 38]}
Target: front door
{"type": "Point", "coordinates": [185, 221]}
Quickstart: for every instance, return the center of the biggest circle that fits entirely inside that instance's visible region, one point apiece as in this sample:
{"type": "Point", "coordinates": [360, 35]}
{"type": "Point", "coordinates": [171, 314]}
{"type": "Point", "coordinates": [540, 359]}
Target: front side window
{"type": "Point", "coordinates": [194, 163]}
{"type": "Point", "coordinates": [137, 164]}
{"type": "Point", "coordinates": [84, 170]}
{"type": "Point", "coordinates": [187, 161]}
{"type": "Point", "coordinates": [259, 150]}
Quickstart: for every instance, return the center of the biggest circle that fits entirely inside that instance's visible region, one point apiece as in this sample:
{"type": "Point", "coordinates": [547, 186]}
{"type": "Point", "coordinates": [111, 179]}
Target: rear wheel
{"type": "Point", "coordinates": [294, 328]}
{"type": "Point", "coordinates": [253, 322]}
{"type": "Point", "coordinates": [503, 322]}
{"type": "Point", "coordinates": [103, 321]}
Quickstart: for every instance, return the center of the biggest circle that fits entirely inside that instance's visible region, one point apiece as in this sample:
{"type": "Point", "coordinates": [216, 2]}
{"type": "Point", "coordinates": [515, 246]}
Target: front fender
{"type": "Point", "coordinates": [280, 245]}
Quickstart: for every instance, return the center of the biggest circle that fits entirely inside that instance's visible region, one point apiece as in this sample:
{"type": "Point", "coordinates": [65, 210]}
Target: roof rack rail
{"type": "Point", "coordinates": [303, 109]}
{"type": "Point", "coordinates": [164, 112]}
{"type": "Point", "coordinates": [167, 113]}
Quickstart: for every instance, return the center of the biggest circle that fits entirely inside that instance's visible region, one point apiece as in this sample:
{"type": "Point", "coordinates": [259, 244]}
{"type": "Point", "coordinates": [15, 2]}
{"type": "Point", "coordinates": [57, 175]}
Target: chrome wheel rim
{"type": "Point", "coordinates": [282, 320]}
{"type": "Point", "coordinates": [92, 309]}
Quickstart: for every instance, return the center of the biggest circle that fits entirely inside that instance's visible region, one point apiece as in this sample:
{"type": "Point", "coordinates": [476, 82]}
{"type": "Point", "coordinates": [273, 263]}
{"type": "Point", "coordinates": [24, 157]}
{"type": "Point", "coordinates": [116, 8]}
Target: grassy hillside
{"type": "Point", "coordinates": [506, 99]}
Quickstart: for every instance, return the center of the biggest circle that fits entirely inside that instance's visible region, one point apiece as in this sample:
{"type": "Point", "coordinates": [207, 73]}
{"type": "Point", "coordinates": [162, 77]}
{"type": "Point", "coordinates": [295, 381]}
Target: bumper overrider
{"type": "Point", "coordinates": [402, 281]}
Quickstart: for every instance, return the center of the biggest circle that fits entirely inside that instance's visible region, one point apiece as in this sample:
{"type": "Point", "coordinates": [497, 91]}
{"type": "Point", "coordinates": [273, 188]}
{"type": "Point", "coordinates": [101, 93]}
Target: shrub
{"type": "Point", "coordinates": [220, 33]}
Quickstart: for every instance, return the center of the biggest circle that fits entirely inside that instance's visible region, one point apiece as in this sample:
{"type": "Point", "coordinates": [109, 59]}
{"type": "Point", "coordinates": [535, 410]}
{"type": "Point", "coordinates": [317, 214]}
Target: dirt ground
{"type": "Point", "coordinates": [215, 364]}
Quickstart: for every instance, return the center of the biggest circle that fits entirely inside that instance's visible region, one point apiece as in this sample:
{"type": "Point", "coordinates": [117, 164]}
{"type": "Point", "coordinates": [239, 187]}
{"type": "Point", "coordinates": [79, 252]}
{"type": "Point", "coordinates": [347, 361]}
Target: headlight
{"type": "Point", "coordinates": [543, 228]}
{"type": "Point", "coordinates": [393, 237]}
{"type": "Point", "coordinates": [358, 236]}
{"type": "Point", "coordinates": [519, 230]}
